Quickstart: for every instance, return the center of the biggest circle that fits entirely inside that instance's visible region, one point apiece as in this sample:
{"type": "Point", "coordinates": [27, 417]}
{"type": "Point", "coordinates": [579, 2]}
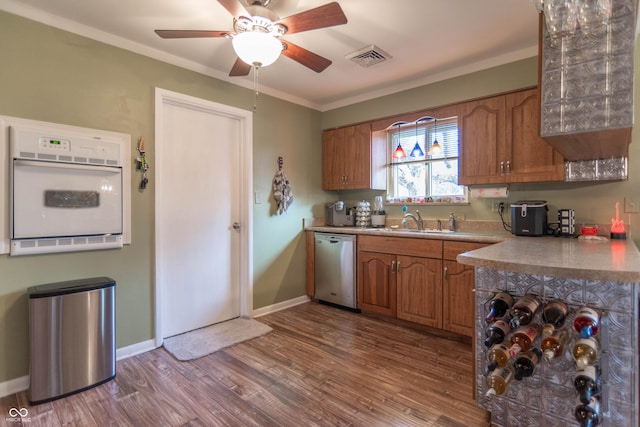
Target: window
{"type": "Point", "coordinates": [420, 177]}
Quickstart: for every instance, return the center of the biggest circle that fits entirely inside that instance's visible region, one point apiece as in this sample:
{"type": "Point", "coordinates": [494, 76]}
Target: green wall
{"type": "Point", "coordinates": [55, 76]}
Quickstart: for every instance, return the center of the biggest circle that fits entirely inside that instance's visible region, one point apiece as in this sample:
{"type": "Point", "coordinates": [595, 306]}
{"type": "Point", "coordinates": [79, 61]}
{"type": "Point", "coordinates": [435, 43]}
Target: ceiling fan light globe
{"type": "Point", "coordinates": [257, 48]}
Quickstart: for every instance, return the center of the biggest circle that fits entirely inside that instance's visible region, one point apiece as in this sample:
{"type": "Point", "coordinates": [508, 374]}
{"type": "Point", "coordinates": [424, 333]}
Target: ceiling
{"type": "Point", "coordinates": [427, 40]}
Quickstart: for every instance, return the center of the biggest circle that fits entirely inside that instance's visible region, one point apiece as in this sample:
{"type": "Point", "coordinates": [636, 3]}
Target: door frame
{"type": "Point", "coordinates": [245, 118]}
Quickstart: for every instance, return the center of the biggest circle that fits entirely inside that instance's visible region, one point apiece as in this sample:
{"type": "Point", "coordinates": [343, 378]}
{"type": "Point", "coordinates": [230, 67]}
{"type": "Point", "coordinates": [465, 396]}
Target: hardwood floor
{"type": "Point", "coordinates": [320, 366]}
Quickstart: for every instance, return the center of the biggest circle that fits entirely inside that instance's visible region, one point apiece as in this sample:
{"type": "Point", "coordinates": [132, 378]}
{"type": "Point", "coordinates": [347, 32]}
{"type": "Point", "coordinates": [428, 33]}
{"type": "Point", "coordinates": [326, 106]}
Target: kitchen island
{"type": "Point", "coordinates": [602, 274]}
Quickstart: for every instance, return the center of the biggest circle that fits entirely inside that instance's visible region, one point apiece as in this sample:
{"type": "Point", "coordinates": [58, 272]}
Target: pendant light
{"type": "Point", "coordinates": [399, 152]}
{"type": "Point", "coordinates": [435, 149]}
{"type": "Point", "coordinates": [417, 151]}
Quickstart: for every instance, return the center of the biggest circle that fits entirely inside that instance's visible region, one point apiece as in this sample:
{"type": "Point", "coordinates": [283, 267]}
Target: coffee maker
{"type": "Point", "coordinates": [339, 215]}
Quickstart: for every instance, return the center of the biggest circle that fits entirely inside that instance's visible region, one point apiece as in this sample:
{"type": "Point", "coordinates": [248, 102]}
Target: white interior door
{"type": "Point", "coordinates": [199, 198]}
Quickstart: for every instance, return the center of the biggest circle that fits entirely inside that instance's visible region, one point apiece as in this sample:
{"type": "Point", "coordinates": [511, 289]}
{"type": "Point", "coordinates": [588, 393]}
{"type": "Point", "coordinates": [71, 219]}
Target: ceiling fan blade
{"type": "Point", "coordinates": [305, 57]}
{"type": "Point", "coordinates": [240, 68]}
{"type": "Point", "coordinates": [327, 15]}
{"type": "Point", "coordinates": [235, 8]}
{"type": "Point", "coordinates": [187, 34]}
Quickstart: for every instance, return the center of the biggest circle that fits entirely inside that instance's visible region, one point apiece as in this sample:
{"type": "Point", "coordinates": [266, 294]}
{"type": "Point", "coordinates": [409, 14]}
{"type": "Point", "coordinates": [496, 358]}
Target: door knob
{"type": "Point", "coordinates": [236, 226]}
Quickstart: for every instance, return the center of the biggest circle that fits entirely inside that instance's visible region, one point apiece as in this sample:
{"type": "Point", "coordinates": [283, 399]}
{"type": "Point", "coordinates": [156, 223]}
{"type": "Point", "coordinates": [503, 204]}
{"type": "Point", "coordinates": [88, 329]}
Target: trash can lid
{"type": "Point", "coordinates": [70, 287]}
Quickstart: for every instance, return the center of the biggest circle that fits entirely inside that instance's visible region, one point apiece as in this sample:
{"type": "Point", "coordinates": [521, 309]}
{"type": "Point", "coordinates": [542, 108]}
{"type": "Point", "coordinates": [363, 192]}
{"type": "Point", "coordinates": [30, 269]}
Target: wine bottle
{"type": "Point", "coordinates": [523, 310]}
{"type": "Point", "coordinates": [497, 357]}
{"type": "Point", "coordinates": [496, 332]}
{"type": "Point", "coordinates": [585, 352]}
{"type": "Point", "coordinates": [588, 415]}
{"type": "Point", "coordinates": [553, 346]}
{"type": "Point", "coordinates": [525, 363]}
{"type": "Point", "coordinates": [587, 383]}
{"type": "Point", "coordinates": [522, 339]}
{"type": "Point", "coordinates": [586, 322]}
{"type": "Point", "coordinates": [554, 314]}
{"type": "Point", "coordinates": [498, 381]}
{"type": "Point", "coordinates": [499, 305]}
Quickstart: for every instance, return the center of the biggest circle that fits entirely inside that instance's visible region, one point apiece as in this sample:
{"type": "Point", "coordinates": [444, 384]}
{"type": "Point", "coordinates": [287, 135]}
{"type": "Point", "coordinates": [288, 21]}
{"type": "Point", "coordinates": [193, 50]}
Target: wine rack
{"type": "Point", "coordinates": [548, 397]}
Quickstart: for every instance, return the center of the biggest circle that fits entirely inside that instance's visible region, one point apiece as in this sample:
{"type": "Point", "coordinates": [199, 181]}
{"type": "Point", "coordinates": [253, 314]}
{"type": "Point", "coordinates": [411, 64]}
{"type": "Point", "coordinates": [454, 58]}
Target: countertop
{"type": "Point", "coordinates": [466, 236]}
{"type": "Point", "coordinates": [608, 260]}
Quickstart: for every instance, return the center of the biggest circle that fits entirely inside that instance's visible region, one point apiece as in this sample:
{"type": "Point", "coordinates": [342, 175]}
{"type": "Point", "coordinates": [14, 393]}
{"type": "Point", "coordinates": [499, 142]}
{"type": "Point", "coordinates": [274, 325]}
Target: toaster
{"type": "Point", "coordinates": [529, 218]}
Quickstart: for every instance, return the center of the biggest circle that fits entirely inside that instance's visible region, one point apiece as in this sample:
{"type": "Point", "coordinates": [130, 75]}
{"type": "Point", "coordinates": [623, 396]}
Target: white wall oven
{"type": "Point", "coordinates": [66, 192]}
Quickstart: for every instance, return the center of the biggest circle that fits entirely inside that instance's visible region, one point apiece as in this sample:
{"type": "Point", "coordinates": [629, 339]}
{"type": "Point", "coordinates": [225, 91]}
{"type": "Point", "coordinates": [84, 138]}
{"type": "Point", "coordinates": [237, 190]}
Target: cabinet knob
{"type": "Point", "coordinates": [508, 166]}
{"type": "Point", "coordinates": [393, 266]}
{"type": "Point", "coordinates": [501, 168]}
{"type": "Point", "coordinates": [444, 277]}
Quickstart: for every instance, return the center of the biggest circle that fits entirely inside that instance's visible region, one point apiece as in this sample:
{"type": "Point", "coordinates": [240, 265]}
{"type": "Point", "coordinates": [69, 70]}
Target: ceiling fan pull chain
{"type": "Point", "coordinates": [256, 90]}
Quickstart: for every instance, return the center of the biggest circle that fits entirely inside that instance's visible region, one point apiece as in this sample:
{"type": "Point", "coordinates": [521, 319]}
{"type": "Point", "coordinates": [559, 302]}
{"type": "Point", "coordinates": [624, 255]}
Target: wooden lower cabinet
{"type": "Point", "coordinates": [458, 305]}
{"type": "Point", "coordinates": [458, 282]}
{"type": "Point", "coordinates": [419, 290]}
{"type": "Point", "coordinates": [418, 281]}
{"type": "Point", "coordinates": [377, 283]}
{"type": "Point", "coordinates": [310, 267]}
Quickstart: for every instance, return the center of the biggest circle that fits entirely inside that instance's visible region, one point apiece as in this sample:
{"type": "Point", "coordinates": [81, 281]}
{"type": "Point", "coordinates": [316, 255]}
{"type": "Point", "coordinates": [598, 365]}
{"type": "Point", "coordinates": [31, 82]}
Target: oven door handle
{"type": "Point", "coordinates": [41, 164]}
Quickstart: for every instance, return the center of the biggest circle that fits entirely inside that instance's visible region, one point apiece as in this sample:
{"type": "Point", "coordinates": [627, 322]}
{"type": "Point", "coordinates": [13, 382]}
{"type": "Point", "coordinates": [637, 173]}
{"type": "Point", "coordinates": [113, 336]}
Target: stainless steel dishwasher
{"type": "Point", "coordinates": [335, 274]}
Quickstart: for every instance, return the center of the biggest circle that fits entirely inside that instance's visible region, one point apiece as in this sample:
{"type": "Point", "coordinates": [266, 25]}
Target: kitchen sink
{"type": "Point", "coordinates": [432, 230]}
{"type": "Point", "coordinates": [411, 230]}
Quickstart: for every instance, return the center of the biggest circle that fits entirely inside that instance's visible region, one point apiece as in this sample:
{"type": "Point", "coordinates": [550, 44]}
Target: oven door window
{"type": "Point", "coordinates": [58, 199]}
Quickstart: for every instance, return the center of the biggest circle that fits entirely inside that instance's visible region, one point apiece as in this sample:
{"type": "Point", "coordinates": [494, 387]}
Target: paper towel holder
{"type": "Point", "coordinates": [495, 192]}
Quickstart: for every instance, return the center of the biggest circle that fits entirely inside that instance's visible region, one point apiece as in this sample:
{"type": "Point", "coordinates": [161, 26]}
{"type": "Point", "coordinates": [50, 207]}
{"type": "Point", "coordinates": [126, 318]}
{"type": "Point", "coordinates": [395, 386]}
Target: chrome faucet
{"type": "Point", "coordinates": [418, 220]}
{"type": "Point", "coordinates": [438, 225]}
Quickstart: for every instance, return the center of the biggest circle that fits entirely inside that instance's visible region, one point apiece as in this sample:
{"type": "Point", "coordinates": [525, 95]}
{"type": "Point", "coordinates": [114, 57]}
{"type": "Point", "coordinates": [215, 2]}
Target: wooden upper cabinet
{"type": "Point", "coordinates": [500, 141]}
{"type": "Point", "coordinates": [352, 159]}
{"type": "Point", "coordinates": [332, 159]}
{"type": "Point", "coordinates": [482, 137]}
{"type": "Point", "coordinates": [531, 158]}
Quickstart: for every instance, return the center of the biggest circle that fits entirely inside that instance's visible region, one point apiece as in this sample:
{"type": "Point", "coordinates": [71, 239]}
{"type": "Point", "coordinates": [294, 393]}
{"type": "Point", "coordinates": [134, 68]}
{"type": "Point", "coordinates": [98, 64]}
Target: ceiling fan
{"type": "Point", "coordinates": [257, 34]}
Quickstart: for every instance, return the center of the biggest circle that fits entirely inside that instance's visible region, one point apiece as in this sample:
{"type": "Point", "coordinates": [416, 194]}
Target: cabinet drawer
{"type": "Point", "coordinates": [453, 248]}
{"type": "Point", "coordinates": [401, 246]}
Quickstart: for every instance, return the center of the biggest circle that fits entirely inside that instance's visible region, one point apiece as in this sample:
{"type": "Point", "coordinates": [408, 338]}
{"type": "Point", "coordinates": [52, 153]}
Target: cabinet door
{"type": "Point", "coordinates": [458, 305]}
{"type": "Point", "coordinates": [377, 283]}
{"type": "Point", "coordinates": [482, 130]}
{"type": "Point", "coordinates": [356, 156]}
{"type": "Point", "coordinates": [310, 266]}
{"type": "Point", "coordinates": [333, 174]}
{"type": "Point", "coordinates": [420, 290]}
{"type": "Point", "coordinates": [531, 159]}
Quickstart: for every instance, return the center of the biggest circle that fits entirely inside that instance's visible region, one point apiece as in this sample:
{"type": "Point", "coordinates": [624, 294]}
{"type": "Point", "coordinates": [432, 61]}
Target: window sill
{"type": "Point", "coordinates": [420, 202]}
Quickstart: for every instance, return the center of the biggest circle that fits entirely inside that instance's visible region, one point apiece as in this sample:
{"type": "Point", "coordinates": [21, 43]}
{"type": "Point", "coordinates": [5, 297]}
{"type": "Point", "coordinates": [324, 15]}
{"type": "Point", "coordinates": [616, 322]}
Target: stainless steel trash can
{"type": "Point", "coordinates": [72, 337]}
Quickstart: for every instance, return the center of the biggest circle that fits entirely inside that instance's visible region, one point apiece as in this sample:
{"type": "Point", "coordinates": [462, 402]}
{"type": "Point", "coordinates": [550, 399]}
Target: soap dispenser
{"type": "Point", "coordinates": [452, 222]}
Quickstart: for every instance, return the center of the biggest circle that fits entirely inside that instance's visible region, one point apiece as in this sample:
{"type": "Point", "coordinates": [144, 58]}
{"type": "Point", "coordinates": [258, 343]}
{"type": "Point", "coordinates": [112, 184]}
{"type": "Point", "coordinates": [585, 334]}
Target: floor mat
{"type": "Point", "coordinates": [200, 342]}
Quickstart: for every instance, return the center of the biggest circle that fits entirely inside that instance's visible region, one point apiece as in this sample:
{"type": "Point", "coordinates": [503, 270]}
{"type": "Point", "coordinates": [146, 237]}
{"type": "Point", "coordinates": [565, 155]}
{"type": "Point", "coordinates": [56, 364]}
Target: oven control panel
{"type": "Point", "coordinates": [55, 144]}
{"type": "Point", "coordinates": [36, 144]}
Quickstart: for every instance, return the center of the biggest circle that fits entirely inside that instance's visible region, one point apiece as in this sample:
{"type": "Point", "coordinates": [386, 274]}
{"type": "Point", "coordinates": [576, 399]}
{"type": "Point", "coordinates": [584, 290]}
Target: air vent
{"type": "Point", "coordinates": [370, 55]}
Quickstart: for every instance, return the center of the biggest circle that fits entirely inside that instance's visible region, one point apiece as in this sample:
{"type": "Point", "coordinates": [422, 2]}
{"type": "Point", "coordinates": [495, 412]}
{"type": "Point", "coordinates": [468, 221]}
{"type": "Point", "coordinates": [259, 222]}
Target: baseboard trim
{"type": "Point", "coordinates": [14, 386]}
{"type": "Point", "coordinates": [280, 306]}
{"type": "Point", "coordinates": [135, 349]}
{"type": "Point", "coordinates": [17, 385]}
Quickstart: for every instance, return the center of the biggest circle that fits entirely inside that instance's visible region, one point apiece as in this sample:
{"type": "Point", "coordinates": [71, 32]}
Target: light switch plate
{"type": "Point", "coordinates": [631, 205]}
{"type": "Point", "coordinates": [257, 197]}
